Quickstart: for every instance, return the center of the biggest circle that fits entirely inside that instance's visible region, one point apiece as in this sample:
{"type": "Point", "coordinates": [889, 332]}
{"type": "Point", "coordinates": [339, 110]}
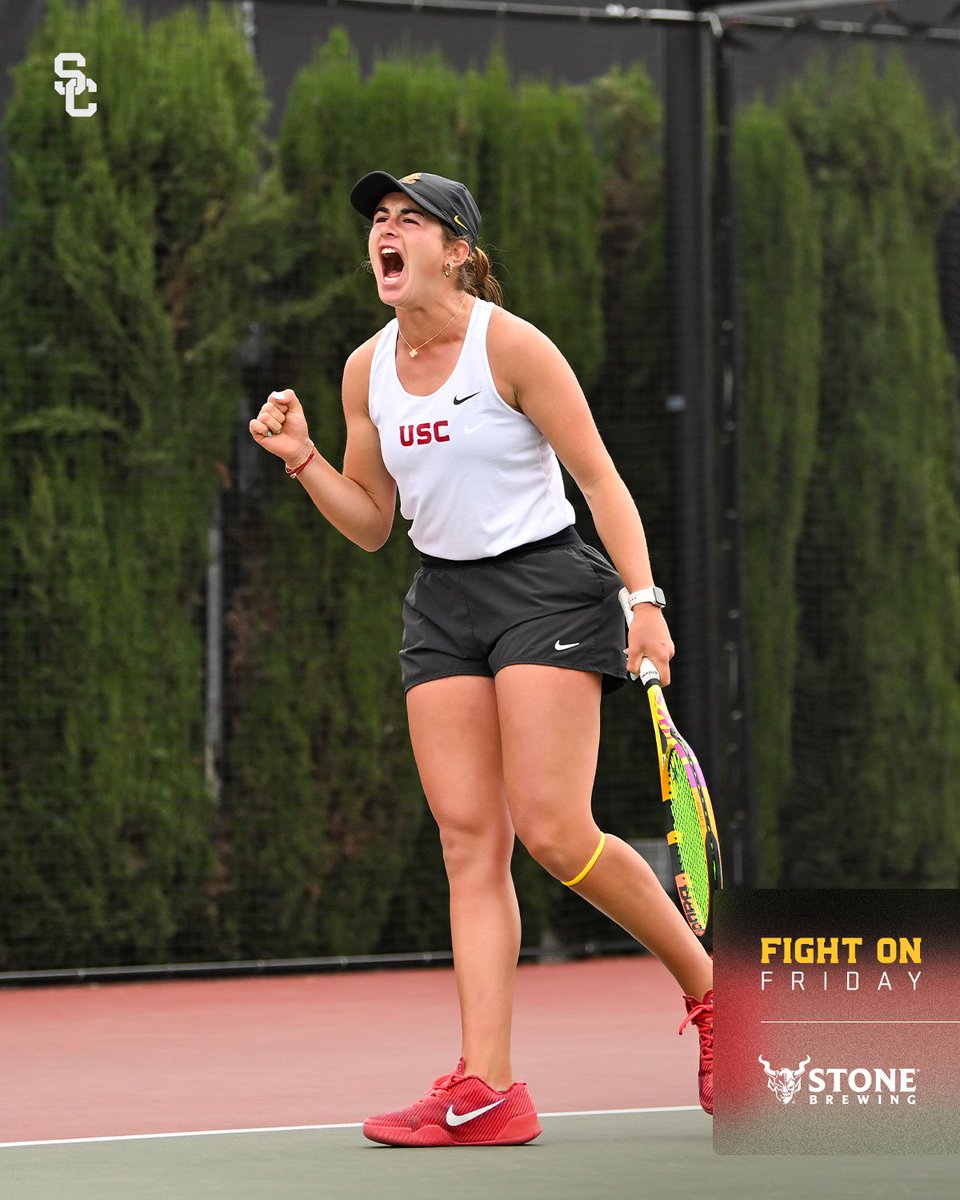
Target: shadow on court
{"type": "Point", "coordinates": [657, 1156]}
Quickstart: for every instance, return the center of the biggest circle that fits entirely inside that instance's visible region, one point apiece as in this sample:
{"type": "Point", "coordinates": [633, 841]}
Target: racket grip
{"type": "Point", "coordinates": [648, 672]}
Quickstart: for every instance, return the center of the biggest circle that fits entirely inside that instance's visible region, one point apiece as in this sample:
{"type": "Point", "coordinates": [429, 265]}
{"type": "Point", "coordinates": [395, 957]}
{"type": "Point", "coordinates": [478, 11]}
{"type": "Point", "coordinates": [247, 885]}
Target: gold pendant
{"type": "Point", "coordinates": [413, 354]}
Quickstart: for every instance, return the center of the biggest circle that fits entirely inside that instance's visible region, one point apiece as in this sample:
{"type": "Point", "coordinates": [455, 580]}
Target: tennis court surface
{"type": "Point", "coordinates": [257, 1087]}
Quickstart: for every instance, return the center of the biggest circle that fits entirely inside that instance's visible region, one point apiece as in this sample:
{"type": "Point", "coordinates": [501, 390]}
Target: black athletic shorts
{"type": "Point", "coordinates": [552, 602]}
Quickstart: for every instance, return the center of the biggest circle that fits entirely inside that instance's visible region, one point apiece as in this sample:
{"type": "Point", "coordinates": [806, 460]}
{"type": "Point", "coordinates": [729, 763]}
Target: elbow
{"type": "Point", "coordinates": [373, 540]}
{"type": "Point", "coordinates": [605, 479]}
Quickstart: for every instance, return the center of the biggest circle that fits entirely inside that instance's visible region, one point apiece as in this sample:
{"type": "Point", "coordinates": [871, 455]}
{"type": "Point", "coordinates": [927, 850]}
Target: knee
{"type": "Point", "coordinates": [560, 850]}
{"type": "Point", "coordinates": [475, 849]}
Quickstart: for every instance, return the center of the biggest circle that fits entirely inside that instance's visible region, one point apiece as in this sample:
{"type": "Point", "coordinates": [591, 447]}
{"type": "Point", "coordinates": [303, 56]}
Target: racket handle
{"type": "Point", "coordinates": [648, 672]}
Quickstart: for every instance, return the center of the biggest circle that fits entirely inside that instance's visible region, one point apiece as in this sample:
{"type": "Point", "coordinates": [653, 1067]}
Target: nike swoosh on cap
{"type": "Point", "coordinates": [455, 1119]}
{"type": "Point", "coordinates": [558, 645]}
{"type": "Point", "coordinates": [462, 399]}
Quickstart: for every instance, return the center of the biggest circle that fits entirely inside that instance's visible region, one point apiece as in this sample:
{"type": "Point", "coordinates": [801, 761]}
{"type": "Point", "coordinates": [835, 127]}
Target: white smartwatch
{"type": "Point", "coordinates": [650, 595]}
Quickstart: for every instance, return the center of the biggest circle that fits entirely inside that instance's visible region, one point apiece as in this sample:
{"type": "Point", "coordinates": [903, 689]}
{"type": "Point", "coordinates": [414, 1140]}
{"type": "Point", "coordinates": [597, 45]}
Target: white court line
{"type": "Point", "coordinates": [190, 1133]}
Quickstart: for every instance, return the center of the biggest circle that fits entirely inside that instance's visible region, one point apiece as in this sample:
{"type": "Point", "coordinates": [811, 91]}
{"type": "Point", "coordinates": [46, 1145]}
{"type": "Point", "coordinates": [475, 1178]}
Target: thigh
{"type": "Point", "coordinates": [550, 737]}
{"type": "Point", "coordinates": [455, 733]}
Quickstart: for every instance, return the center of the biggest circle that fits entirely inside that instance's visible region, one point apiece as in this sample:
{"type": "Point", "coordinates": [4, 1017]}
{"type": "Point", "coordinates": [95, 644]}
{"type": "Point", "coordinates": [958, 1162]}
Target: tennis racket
{"type": "Point", "coordinates": [688, 813]}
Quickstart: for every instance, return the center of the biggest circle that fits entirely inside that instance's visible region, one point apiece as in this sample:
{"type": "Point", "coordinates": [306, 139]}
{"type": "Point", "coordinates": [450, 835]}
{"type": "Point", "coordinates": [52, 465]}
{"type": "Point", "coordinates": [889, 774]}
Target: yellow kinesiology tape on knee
{"type": "Point", "coordinates": [590, 865]}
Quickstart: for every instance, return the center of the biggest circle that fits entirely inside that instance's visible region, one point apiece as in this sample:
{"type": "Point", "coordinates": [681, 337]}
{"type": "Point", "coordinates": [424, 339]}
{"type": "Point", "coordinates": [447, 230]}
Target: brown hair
{"type": "Point", "coordinates": [475, 276]}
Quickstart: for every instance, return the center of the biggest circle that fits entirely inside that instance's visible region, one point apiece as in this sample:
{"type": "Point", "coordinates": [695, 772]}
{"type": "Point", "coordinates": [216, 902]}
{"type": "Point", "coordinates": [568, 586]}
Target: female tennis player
{"type": "Point", "coordinates": [512, 628]}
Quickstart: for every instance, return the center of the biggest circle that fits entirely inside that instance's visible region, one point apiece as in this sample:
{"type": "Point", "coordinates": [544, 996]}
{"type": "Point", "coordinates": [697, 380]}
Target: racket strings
{"type": "Point", "coordinates": [685, 808]}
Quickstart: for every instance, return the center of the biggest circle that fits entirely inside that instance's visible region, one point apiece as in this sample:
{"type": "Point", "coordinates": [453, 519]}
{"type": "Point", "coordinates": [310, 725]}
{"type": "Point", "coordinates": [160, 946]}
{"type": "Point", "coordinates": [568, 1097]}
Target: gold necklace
{"type": "Point", "coordinates": [415, 350]}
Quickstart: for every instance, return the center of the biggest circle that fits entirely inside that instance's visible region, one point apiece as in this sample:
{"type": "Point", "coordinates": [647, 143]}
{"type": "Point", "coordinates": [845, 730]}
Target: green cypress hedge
{"type": "Point", "coordinates": [781, 284]}
{"type": "Point", "coordinates": [874, 798]}
{"type": "Point", "coordinates": [119, 322]}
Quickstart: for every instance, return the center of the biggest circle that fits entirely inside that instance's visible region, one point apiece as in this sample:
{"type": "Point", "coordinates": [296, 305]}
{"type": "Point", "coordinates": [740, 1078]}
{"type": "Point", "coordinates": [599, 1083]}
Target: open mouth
{"type": "Point", "coordinates": [391, 263]}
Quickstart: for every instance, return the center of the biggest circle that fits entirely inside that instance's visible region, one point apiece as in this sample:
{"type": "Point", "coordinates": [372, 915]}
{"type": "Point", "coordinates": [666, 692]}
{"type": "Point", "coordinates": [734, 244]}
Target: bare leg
{"type": "Point", "coordinates": [550, 730]}
{"type": "Point", "coordinates": [456, 741]}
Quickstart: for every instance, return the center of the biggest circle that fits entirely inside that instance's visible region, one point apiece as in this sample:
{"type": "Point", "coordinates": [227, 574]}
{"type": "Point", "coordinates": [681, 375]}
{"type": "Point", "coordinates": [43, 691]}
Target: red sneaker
{"type": "Point", "coordinates": [700, 1012]}
{"type": "Point", "coordinates": [460, 1110]}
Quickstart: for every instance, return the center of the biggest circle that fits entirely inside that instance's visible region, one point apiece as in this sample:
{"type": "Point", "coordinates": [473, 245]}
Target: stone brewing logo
{"type": "Point", "coordinates": [842, 1085]}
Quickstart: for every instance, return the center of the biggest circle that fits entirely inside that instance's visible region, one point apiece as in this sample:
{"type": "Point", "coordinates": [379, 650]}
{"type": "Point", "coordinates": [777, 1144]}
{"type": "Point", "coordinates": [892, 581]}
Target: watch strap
{"type": "Point", "coordinates": [650, 595]}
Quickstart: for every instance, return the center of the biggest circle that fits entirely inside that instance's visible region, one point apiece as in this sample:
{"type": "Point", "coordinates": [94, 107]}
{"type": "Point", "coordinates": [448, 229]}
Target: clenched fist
{"type": "Point", "coordinates": [281, 427]}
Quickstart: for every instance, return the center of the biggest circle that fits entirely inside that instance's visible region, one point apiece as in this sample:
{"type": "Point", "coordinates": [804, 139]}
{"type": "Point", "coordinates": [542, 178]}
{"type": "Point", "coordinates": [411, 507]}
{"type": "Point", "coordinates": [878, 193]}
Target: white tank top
{"type": "Point", "coordinates": [475, 476]}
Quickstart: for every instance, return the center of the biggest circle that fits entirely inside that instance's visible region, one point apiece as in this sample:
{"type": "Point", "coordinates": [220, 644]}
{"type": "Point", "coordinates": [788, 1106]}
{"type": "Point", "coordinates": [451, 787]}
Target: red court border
{"type": "Point", "coordinates": [175, 1056]}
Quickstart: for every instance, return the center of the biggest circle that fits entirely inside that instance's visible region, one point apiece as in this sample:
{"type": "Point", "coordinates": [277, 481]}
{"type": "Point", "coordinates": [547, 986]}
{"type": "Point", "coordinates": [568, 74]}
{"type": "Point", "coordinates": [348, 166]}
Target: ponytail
{"type": "Point", "coordinates": [477, 278]}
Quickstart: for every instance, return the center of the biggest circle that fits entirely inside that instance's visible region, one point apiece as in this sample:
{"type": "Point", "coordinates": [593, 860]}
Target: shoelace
{"type": "Point", "coordinates": [704, 1028]}
{"type": "Point", "coordinates": [441, 1085]}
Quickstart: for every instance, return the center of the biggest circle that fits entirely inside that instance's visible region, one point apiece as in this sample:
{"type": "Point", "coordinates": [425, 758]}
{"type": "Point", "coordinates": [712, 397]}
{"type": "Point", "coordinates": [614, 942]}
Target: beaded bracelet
{"type": "Point", "coordinates": [293, 472]}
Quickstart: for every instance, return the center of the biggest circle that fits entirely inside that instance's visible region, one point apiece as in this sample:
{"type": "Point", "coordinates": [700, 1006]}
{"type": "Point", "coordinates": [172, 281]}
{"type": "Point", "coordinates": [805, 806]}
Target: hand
{"type": "Point", "coordinates": [650, 638]}
{"type": "Point", "coordinates": [281, 427]}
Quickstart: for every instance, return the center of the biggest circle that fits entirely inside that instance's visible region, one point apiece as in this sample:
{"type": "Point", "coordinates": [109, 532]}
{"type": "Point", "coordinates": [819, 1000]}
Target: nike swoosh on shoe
{"type": "Point", "coordinates": [454, 1119]}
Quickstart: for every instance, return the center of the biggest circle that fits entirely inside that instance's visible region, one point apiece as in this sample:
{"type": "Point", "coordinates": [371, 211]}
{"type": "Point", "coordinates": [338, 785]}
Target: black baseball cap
{"type": "Point", "coordinates": [445, 199]}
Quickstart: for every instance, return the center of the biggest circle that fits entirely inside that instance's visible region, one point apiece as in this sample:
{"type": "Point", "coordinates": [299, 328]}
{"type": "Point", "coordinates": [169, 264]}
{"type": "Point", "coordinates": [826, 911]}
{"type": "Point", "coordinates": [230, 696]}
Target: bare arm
{"type": "Point", "coordinates": [360, 500]}
{"type": "Point", "coordinates": [532, 374]}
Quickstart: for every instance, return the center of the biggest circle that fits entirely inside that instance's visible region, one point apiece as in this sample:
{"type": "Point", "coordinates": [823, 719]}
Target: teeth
{"type": "Point", "coordinates": [385, 250]}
